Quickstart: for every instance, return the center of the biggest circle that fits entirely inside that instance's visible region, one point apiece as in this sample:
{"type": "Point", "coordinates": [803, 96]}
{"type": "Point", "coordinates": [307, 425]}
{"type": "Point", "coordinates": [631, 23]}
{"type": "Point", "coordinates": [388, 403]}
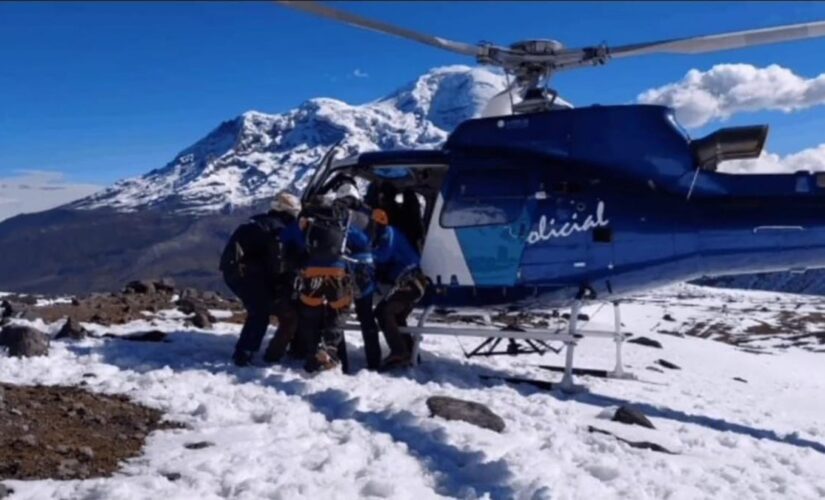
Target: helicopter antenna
{"type": "Point", "coordinates": [534, 61]}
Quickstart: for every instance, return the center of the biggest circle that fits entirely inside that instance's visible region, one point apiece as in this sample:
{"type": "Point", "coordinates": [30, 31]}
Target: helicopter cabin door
{"type": "Point", "coordinates": [571, 241]}
{"type": "Point", "coordinates": [480, 224]}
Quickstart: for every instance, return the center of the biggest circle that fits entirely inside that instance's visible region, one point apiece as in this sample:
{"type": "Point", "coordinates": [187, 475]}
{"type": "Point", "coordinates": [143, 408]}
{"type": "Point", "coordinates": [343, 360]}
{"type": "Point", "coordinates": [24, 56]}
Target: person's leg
{"type": "Point", "coordinates": [287, 315]}
{"type": "Point", "coordinates": [369, 330]}
{"type": "Point", "coordinates": [388, 313]}
{"type": "Point", "coordinates": [310, 323]}
{"type": "Point", "coordinates": [257, 301]}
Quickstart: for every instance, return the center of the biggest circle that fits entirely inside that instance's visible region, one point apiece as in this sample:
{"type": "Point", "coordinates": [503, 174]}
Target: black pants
{"type": "Point", "coordinates": [369, 330]}
{"type": "Point", "coordinates": [393, 310]}
{"type": "Point", "coordinates": [261, 300]}
{"type": "Point", "coordinates": [325, 301]}
{"type": "Point", "coordinates": [322, 327]}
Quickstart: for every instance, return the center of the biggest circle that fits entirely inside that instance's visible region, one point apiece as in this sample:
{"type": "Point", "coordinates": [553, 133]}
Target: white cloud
{"type": "Point", "coordinates": [34, 191]}
{"type": "Point", "coordinates": [727, 89]}
{"type": "Point", "coordinates": [811, 159]}
{"type": "Point", "coordinates": [358, 73]}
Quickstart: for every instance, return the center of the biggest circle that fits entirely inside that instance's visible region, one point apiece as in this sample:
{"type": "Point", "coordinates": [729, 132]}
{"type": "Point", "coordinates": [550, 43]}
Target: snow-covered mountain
{"type": "Point", "coordinates": [255, 155]}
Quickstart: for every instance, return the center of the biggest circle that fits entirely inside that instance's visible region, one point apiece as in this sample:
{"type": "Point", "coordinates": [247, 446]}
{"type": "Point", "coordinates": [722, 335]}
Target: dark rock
{"type": "Point", "coordinates": [152, 336]}
{"type": "Point", "coordinates": [667, 364]}
{"type": "Point", "coordinates": [199, 445]}
{"type": "Point", "coordinates": [645, 445]}
{"type": "Point", "coordinates": [73, 330]}
{"type": "Point", "coordinates": [632, 416]}
{"type": "Point", "coordinates": [189, 306]}
{"type": "Point", "coordinates": [467, 411]}
{"type": "Point", "coordinates": [140, 287]}
{"type": "Point", "coordinates": [75, 301]}
{"type": "Point", "coordinates": [165, 285]}
{"type": "Point", "coordinates": [172, 476]}
{"type": "Point", "coordinates": [6, 309]}
{"type": "Point", "coordinates": [668, 317]}
{"type": "Point", "coordinates": [738, 379]}
{"type": "Point", "coordinates": [646, 342]}
{"type": "Point", "coordinates": [673, 334]}
{"type": "Point", "coordinates": [202, 320]}
{"type": "Point", "coordinates": [22, 341]}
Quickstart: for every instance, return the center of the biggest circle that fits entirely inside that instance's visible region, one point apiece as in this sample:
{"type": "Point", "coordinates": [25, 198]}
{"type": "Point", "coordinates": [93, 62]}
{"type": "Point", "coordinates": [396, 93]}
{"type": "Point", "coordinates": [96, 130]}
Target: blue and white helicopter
{"type": "Point", "coordinates": [541, 205]}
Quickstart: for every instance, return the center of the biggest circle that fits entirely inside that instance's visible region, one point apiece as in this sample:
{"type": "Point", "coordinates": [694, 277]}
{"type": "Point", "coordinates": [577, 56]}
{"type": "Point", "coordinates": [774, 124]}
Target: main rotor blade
{"type": "Point", "coordinates": [361, 22]}
{"type": "Point", "coordinates": [723, 41]}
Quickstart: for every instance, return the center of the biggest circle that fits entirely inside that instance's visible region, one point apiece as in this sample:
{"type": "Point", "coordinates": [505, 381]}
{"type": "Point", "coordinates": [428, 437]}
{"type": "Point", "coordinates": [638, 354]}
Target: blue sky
{"type": "Point", "coordinates": [100, 91]}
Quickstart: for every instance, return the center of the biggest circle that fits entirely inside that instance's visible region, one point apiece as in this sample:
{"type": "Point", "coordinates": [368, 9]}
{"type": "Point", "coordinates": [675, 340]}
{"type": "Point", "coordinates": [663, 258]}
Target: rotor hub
{"type": "Point", "coordinates": [538, 47]}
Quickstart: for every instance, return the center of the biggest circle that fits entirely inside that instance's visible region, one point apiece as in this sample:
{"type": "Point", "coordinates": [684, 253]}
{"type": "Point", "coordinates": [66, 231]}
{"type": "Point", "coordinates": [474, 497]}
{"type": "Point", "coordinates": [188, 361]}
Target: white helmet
{"type": "Point", "coordinates": [287, 202]}
{"type": "Point", "coordinates": [347, 190]}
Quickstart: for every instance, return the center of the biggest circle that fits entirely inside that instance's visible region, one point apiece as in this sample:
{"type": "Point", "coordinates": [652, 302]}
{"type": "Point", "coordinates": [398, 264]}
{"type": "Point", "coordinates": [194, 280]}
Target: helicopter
{"type": "Point", "coordinates": [539, 204]}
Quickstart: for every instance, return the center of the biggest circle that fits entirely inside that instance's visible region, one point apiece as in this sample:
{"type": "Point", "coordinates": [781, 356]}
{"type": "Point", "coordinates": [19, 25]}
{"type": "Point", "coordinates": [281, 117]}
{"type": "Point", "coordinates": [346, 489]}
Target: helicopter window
{"type": "Point", "coordinates": [485, 197]}
{"type": "Point", "coordinates": [603, 235]}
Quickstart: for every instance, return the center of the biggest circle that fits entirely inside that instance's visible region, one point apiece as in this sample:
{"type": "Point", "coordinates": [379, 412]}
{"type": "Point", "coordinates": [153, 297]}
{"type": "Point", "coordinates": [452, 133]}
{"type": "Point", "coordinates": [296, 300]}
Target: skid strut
{"type": "Point", "coordinates": [568, 338]}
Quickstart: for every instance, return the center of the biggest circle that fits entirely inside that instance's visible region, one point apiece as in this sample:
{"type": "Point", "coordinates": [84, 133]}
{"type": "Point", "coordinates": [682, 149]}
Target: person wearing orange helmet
{"type": "Point", "coordinates": [398, 265]}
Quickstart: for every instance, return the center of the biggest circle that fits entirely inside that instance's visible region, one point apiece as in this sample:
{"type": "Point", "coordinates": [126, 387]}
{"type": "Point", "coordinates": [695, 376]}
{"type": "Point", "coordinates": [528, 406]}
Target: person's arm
{"type": "Point", "coordinates": [384, 249]}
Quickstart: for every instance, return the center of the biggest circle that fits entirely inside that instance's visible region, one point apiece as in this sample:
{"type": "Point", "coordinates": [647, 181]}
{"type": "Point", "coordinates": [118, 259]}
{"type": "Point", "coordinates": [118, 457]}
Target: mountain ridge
{"type": "Point", "coordinates": [255, 155]}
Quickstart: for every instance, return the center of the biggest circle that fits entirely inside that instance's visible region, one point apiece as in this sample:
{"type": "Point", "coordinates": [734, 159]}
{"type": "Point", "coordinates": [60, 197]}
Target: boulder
{"type": "Point", "coordinates": [6, 309]}
{"type": "Point", "coordinates": [202, 319]}
{"type": "Point", "coordinates": [165, 285]}
{"type": "Point", "coordinates": [668, 317]}
{"type": "Point", "coordinates": [632, 416]}
{"type": "Point", "coordinates": [140, 287]}
{"type": "Point", "coordinates": [644, 445]}
{"type": "Point", "coordinates": [466, 411]}
{"type": "Point", "coordinates": [667, 364]}
{"type": "Point", "coordinates": [23, 341]}
{"type": "Point", "coordinates": [189, 306]}
{"type": "Point", "coordinates": [646, 342]}
{"type": "Point", "coordinates": [199, 445]}
{"type": "Point", "coordinates": [73, 330]}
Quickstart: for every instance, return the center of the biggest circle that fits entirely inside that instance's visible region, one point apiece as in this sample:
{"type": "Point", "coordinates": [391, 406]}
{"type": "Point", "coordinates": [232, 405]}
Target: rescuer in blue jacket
{"type": "Point", "coordinates": [397, 264]}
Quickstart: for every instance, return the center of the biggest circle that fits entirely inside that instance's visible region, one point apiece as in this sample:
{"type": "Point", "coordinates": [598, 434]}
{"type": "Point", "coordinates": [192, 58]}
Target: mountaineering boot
{"type": "Point", "coordinates": [396, 361]}
{"type": "Point", "coordinates": [325, 359]}
{"type": "Point", "coordinates": [243, 358]}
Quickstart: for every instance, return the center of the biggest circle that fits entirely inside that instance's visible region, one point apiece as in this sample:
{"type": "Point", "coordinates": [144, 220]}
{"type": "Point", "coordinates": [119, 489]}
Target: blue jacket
{"type": "Point", "coordinates": [394, 254]}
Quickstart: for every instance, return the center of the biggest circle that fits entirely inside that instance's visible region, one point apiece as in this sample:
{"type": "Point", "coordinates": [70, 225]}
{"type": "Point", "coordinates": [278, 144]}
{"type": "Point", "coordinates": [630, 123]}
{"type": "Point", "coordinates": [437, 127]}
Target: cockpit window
{"type": "Point", "coordinates": [485, 197]}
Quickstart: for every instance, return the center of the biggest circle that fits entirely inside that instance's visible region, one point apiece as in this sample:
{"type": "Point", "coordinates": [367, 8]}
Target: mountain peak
{"type": "Point", "coordinates": [256, 154]}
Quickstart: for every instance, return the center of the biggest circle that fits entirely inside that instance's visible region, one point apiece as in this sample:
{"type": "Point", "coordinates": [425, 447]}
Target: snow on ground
{"type": "Point", "coordinates": [278, 433]}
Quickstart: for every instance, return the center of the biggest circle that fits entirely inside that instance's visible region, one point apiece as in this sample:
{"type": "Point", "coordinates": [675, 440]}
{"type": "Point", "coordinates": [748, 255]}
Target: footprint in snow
{"type": "Point", "coordinates": [603, 473]}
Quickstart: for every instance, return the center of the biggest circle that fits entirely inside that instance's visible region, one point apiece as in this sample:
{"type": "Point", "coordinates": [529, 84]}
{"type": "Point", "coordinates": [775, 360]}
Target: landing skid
{"type": "Point", "coordinates": [569, 338]}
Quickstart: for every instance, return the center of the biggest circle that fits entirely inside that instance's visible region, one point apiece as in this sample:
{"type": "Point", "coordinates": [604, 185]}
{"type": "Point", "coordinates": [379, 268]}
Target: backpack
{"type": "Point", "coordinates": [326, 233]}
{"type": "Point", "coordinates": [256, 243]}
